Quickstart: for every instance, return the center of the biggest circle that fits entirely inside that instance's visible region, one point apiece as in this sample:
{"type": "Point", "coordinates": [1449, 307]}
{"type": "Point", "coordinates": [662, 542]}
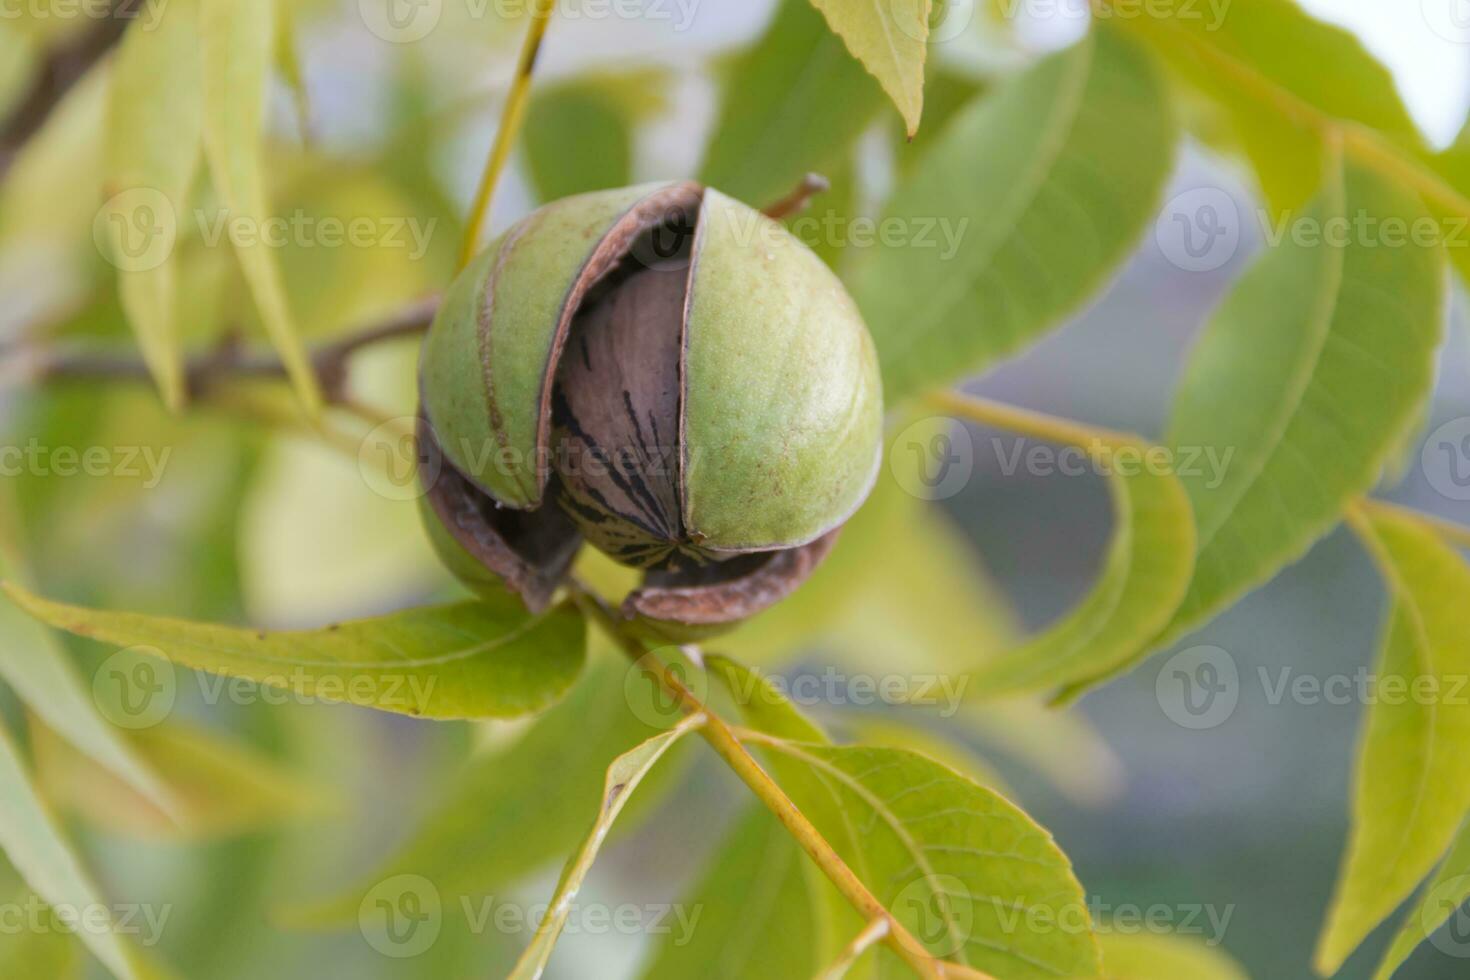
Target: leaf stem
{"type": "Point", "coordinates": [510, 123]}
{"type": "Point", "coordinates": [1037, 425]}
{"type": "Point", "coordinates": [722, 738]}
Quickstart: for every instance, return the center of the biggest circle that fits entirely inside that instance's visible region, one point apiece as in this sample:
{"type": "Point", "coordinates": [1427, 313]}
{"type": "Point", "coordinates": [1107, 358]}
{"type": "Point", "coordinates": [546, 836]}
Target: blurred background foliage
{"type": "Point", "coordinates": [288, 808]}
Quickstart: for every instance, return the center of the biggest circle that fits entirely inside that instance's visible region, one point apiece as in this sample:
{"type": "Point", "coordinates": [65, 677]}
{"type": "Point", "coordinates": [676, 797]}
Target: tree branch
{"type": "Point", "coordinates": [230, 361]}
{"type": "Point", "coordinates": [723, 739]}
{"type": "Point", "coordinates": [61, 68]}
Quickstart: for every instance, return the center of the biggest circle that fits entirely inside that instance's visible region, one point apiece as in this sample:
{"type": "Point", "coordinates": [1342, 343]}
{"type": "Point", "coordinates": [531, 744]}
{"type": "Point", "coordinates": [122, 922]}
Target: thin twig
{"type": "Point", "coordinates": [60, 69]}
{"type": "Point", "coordinates": [229, 361]}
{"type": "Point", "coordinates": [801, 195]}
{"type": "Point", "coordinates": [510, 124]}
{"type": "Point", "coordinates": [722, 738]}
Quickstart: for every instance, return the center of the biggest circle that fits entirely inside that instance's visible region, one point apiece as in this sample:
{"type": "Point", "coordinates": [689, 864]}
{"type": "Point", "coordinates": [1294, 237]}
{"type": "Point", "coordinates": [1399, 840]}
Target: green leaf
{"type": "Point", "coordinates": [1443, 896]}
{"type": "Point", "coordinates": [756, 917]}
{"type": "Point", "coordinates": [1154, 956]}
{"type": "Point", "coordinates": [1413, 770]}
{"type": "Point", "coordinates": [577, 138]}
{"type": "Point", "coordinates": [972, 876]}
{"type": "Point", "coordinates": [890, 38]}
{"type": "Point", "coordinates": [154, 127]}
{"type": "Point", "coordinates": [237, 40]}
{"type": "Point", "coordinates": [793, 103]}
{"type": "Point", "coordinates": [968, 873]}
{"type": "Point", "coordinates": [537, 792]}
{"type": "Point", "coordinates": [466, 660]}
{"type": "Point", "coordinates": [35, 665]}
{"type": "Point", "coordinates": [623, 777]}
{"type": "Point", "coordinates": [1144, 577]}
{"type": "Point", "coordinates": [33, 842]}
{"type": "Point", "coordinates": [1303, 382]}
{"type": "Point", "coordinates": [224, 788]}
{"type": "Point", "coordinates": [1278, 72]}
{"type": "Point", "coordinates": [1039, 190]}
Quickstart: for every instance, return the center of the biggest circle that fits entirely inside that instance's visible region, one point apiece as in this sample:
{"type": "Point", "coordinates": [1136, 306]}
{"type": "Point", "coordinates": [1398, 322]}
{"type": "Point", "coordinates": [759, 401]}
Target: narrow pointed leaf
{"type": "Point", "coordinates": [795, 101]}
{"type": "Point", "coordinates": [1444, 896]}
{"type": "Point", "coordinates": [623, 777]}
{"type": "Point", "coordinates": [33, 842]}
{"type": "Point", "coordinates": [1144, 577]}
{"type": "Point", "coordinates": [582, 114]}
{"type": "Point", "coordinates": [154, 126]}
{"type": "Point", "coordinates": [466, 660]}
{"type": "Point", "coordinates": [1413, 770]}
{"type": "Point", "coordinates": [1303, 382]}
{"type": "Point", "coordinates": [237, 40]}
{"type": "Point", "coordinates": [1043, 186]}
{"type": "Point", "coordinates": [890, 38]}
{"type": "Point", "coordinates": [38, 669]}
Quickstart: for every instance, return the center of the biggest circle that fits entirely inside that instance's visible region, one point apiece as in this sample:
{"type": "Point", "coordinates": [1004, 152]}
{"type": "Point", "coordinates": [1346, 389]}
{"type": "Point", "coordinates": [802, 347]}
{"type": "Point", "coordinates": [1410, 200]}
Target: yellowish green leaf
{"type": "Point", "coordinates": [466, 660]}
{"type": "Point", "coordinates": [154, 126]}
{"type": "Point", "coordinates": [237, 38]}
{"type": "Point", "coordinates": [33, 842]}
{"type": "Point", "coordinates": [968, 873]}
{"type": "Point", "coordinates": [1443, 897]}
{"type": "Point", "coordinates": [1412, 781]}
{"type": "Point", "coordinates": [1032, 196]}
{"type": "Point", "coordinates": [890, 38]}
{"type": "Point", "coordinates": [1303, 383]}
{"type": "Point", "coordinates": [623, 777]}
